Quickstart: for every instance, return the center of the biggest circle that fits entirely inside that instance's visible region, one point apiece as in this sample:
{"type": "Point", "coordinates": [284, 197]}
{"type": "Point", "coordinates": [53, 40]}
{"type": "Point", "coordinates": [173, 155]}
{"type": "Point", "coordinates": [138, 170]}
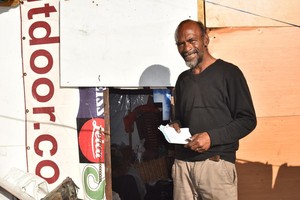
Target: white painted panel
{"type": "Point", "coordinates": [12, 157]}
{"type": "Point", "coordinates": [121, 43]}
{"type": "Point", "coordinates": [12, 112]}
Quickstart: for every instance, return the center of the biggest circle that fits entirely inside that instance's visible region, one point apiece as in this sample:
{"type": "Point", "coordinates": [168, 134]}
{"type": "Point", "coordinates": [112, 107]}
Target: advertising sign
{"type": "Point", "coordinates": [64, 126]}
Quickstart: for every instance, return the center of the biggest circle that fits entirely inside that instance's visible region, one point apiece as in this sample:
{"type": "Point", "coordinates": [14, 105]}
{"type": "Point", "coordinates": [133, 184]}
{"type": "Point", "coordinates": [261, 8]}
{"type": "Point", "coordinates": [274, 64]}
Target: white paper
{"type": "Point", "coordinates": [173, 137]}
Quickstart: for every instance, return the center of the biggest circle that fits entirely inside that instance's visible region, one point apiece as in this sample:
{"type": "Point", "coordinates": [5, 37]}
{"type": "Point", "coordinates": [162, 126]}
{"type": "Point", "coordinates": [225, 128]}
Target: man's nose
{"type": "Point", "coordinates": [187, 47]}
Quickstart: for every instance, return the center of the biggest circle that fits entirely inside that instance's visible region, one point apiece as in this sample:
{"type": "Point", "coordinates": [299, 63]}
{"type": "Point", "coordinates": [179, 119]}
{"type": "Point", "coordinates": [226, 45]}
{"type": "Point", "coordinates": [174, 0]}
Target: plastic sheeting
{"type": "Point", "coordinates": [124, 101]}
{"type": "Point", "coordinates": [25, 186]}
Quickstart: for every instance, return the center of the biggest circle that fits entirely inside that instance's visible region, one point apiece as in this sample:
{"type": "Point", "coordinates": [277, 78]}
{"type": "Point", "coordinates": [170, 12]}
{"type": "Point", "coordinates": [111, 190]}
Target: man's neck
{"type": "Point", "coordinates": [204, 64]}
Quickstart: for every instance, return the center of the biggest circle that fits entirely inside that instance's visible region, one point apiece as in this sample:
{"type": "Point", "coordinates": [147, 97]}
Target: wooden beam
{"type": "Point", "coordinates": [108, 188]}
{"type": "Point", "coordinates": [201, 11]}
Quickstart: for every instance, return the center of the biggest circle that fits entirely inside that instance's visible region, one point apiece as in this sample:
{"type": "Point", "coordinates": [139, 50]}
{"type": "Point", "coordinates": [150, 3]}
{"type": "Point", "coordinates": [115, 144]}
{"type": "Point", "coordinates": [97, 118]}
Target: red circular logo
{"type": "Point", "coordinates": [91, 140]}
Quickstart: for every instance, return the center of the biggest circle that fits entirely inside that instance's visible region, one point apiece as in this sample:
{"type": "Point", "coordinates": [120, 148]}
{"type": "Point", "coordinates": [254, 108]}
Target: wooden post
{"type": "Point", "coordinates": [201, 11]}
{"type": "Point", "coordinates": [108, 188]}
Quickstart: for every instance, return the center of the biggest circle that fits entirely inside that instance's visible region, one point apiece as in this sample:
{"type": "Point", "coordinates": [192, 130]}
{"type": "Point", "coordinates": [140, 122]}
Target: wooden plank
{"type": "Point", "coordinates": [268, 162]}
{"type": "Point", "coordinates": [255, 181]}
{"type": "Point", "coordinates": [269, 58]}
{"type": "Point", "coordinates": [201, 11]}
{"type": "Point", "coordinates": [236, 13]}
{"type": "Point", "coordinates": [108, 188]}
{"type": "Point", "coordinates": [9, 3]}
{"type": "Point", "coordinates": [275, 141]}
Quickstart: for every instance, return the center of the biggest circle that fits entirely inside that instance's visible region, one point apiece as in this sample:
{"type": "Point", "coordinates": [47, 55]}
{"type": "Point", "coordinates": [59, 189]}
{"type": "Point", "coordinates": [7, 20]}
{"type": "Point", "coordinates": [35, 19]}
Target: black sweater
{"type": "Point", "coordinates": [217, 101]}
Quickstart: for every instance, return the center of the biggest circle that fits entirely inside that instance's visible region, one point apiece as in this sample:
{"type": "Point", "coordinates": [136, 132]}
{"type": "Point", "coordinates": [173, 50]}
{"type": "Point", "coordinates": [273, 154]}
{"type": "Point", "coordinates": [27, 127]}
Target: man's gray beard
{"type": "Point", "coordinates": [192, 64]}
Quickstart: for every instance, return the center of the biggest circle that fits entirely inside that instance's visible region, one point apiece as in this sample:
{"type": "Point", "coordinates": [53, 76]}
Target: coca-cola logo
{"type": "Point", "coordinates": [91, 140]}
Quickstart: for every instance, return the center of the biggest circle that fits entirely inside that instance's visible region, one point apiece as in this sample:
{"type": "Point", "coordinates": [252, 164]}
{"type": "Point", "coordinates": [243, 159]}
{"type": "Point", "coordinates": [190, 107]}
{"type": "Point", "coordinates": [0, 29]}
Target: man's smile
{"type": "Point", "coordinates": [189, 56]}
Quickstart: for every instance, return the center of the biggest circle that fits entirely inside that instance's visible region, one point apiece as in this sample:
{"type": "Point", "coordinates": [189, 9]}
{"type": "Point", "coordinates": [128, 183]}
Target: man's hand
{"type": "Point", "coordinates": [199, 142]}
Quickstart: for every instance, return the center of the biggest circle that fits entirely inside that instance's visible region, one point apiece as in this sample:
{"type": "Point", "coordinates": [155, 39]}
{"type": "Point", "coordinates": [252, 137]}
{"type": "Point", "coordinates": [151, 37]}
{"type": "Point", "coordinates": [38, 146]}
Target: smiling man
{"type": "Point", "coordinates": [213, 100]}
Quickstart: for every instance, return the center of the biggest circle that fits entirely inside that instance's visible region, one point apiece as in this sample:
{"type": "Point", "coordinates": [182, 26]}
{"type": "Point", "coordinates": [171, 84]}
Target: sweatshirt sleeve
{"type": "Point", "coordinates": [239, 102]}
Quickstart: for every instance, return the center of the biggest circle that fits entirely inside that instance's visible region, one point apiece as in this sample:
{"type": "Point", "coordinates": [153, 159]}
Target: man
{"type": "Point", "coordinates": [213, 100]}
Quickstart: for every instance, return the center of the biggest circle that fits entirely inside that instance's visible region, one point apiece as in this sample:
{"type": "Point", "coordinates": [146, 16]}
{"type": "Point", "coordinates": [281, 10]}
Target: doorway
{"type": "Point", "coordinates": [139, 152]}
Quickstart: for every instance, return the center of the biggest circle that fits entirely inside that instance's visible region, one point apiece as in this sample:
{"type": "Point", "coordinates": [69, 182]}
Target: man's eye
{"type": "Point", "coordinates": [192, 41]}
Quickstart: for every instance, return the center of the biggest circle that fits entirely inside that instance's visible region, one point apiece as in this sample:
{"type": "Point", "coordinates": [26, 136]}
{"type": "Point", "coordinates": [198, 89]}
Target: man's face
{"type": "Point", "coordinates": [190, 44]}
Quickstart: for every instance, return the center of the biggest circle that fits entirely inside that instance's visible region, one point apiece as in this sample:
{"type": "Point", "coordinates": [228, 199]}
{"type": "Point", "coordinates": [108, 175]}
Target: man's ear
{"type": "Point", "coordinates": [206, 40]}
